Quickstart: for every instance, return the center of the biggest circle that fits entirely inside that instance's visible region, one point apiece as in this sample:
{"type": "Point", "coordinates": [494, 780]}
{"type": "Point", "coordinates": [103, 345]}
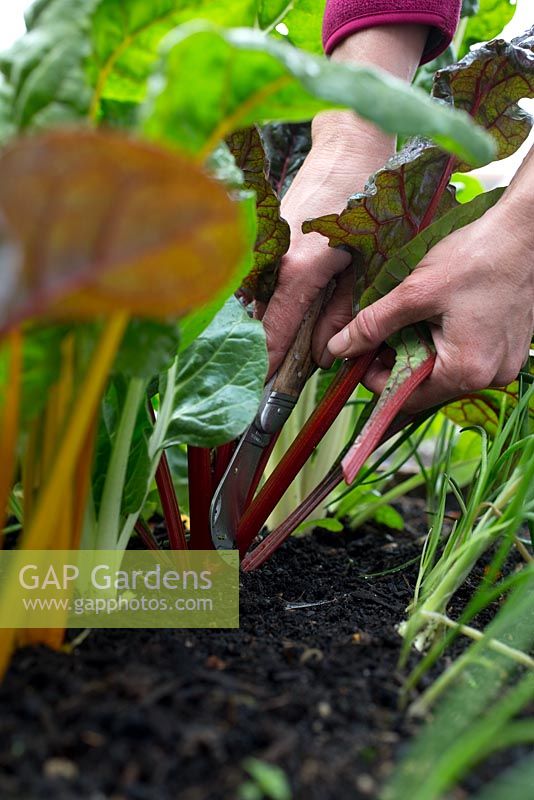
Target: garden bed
{"type": "Point", "coordinates": [309, 682]}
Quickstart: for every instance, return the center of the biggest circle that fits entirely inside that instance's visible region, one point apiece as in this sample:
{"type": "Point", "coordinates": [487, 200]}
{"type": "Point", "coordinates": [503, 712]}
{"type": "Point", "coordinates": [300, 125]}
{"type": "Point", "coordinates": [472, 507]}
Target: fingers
{"type": "Point", "coordinates": [335, 316]}
{"type": "Point", "coordinates": [303, 274]}
{"type": "Point", "coordinates": [460, 369]}
{"type": "Point", "coordinates": [412, 301]}
{"type": "Point", "coordinates": [281, 322]}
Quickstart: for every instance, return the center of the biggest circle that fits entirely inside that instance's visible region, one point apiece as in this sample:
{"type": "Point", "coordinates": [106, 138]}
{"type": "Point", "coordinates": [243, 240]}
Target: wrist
{"type": "Point", "coordinates": [343, 133]}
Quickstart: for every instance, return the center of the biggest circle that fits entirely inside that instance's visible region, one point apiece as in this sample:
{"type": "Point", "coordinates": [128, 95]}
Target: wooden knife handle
{"type": "Point", "coordinates": [297, 365]}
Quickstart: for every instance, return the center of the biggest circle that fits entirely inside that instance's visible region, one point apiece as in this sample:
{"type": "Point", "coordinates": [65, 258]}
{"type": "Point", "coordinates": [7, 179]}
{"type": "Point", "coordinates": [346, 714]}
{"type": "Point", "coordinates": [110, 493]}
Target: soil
{"type": "Point", "coordinates": [309, 682]}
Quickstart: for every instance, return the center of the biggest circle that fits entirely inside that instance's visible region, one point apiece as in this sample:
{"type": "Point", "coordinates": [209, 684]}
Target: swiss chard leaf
{"type": "Point", "coordinates": [487, 19]}
{"type": "Point", "coordinates": [245, 77]}
{"type": "Point", "coordinates": [413, 189]}
{"type": "Point", "coordinates": [488, 83]}
{"type": "Point", "coordinates": [272, 239]}
{"type": "Point", "coordinates": [119, 225]}
{"type": "Point", "coordinates": [147, 348]}
{"type": "Point", "coordinates": [139, 462]}
{"type": "Point", "coordinates": [7, 126]}
{"type": "Point", "coordinates": [405, 260]}
{"type": "Point", "coordinates": [286, 147]}
{"type": "Point", "coordinates": [220, 380]}
{"type": "Point", "coordinates": [46, 66]}
{"type": "Point", "coordinates": [126, 37]}
{"type": "Point", "coordinates": [483, 408]}
{"type": "Point", "coordinates": [399, 202]}
{"type": "Point", "coordinates": [41, 368]}
{"type": "Point", "coordinates": [302, 18]}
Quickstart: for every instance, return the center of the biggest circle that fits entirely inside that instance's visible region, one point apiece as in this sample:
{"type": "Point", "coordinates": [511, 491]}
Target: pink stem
{"type": "Point", "coordinates": [348, 377]}
{"type": "Point", "coordinates": [372, 434]}
{"type": "Point", "coordinates": [169, 505]}
{"type": "Point", "coordinates": [272, 542]}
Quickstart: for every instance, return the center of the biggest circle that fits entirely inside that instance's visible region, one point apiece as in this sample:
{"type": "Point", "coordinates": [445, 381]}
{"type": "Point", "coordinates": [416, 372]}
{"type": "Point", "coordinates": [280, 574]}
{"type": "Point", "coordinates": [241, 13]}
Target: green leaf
{"type": "Point", "coordinates": [390, 517]}
{"type": "Point", "coordinates": [517, 781]}
{"type": "Point", "coordinates": [139, 466]}
{"type": "Point", "coordinates": [245, 77]}
{"type": "Point", "coordinates": [220, 380]}
{"type": "Point", "coordinates": [271, 779]}
{"type": "Point", "coordinates": [148, 348]}
{"type": "Point", "coordinates": [488, 83]}
{"type": "Point", "coordinates": [7, 126]}
{"type": "Point", "coordinates": [302, 19]}
{"type": "Point", "coordinates": [272, 239]}
{"type": "Point", "coordinates": [467, 187]}
{"type": "Point", "coordinates": [139, 463]}
{"type": "Point", "coordinates": [126, 36]}
{"type": "Point", "coordinates": [46, 66]}
{"type": "Point", "coordinates": [487, 19]}
{"type": "Point", "coordinates": [194, 323]}
{"type": "Point", "coordinates": [326, 524]}
{"type": "Point", "coordinates": [470, 8]}
{"type": "Point", "coordinates": [41, 368]}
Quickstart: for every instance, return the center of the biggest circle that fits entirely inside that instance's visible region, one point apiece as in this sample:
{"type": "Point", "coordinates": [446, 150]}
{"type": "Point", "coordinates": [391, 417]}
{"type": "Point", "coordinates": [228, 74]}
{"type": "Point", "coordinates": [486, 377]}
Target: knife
{"type": "Point", "coordinates": [279, 400]}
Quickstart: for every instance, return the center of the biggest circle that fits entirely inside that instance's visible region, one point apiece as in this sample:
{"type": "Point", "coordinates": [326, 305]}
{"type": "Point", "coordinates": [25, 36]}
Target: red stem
{"type": "Point", "coordinates": [146, 535]}
{"type": "Point", "coordinates": [261, 469]}
{"type": "Point", "coordinates": [169, 505]}
{"type": "Point", "coordinates": [200, 494]}
{"type": "Point", "coordinates": [348, 377]}
{"type": "Point", "coordinates": [169, 501]}
{"type": "Point", "coordinates": [273, 540]}
{"type": "Point", "coordinates": [372, 434]}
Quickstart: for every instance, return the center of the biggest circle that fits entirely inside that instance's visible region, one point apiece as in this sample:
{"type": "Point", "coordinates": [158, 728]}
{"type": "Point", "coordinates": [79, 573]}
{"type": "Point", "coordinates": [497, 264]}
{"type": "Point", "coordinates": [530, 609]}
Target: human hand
{"type": "Point", "coordinates": [322, 186]}
{"type": "Point", "coordinates": [476, 290]}
{"type": "Point", "coordinates": [346, 150]}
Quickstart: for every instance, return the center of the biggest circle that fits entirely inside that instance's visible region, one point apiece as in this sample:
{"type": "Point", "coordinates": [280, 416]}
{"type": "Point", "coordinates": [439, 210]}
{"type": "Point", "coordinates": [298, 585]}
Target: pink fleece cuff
{"type": "Point", "coordinates": [345, 17]}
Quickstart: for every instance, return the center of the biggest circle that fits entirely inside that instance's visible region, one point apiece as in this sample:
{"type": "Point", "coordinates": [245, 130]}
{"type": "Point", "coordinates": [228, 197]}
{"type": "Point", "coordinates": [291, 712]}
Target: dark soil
{"type": "Point", "coordinates": [159, 715]}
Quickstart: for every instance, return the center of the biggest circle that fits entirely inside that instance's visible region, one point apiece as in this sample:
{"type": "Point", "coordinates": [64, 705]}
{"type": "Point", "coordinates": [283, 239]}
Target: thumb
{"type": "Point", "coordinates": [408, 303]}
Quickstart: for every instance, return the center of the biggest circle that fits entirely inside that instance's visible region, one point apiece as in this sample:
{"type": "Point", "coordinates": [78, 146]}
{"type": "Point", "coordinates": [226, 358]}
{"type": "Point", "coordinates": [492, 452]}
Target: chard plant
{"type": "Point", "coordinates": [120, 248]}
{"type": "Point", "coordinates": [407, 208]}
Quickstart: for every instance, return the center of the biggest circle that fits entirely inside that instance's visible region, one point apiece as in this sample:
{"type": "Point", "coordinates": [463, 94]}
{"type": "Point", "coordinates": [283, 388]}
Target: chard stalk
{"type": "Point", "coordinates": [169, 505]}
{"type": "Point", "coordinates": [154, 450]}
{"type": "Point", "coordinates": [348, 377]}
{"type": "Point", "coordinates": [200, 494]}
{"type": "Point", "coordinates": [415, 361]}
{"type": "Point", "coordinates": [110, 509]}
{"type": "Point", "coordinates": [169, 501]}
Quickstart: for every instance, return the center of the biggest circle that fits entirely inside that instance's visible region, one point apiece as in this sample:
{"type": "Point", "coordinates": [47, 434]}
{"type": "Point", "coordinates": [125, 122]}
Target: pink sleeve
{"type": "Point", "coordinates": [345, 17]}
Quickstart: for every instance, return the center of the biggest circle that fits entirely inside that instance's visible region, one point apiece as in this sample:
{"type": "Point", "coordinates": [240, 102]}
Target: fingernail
{"type": "Point", "coordinates": [339, 343]}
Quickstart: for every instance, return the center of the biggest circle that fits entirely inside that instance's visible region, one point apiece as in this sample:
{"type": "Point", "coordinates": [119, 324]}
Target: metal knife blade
{"type": "Point", "coordinates": [280, 398]}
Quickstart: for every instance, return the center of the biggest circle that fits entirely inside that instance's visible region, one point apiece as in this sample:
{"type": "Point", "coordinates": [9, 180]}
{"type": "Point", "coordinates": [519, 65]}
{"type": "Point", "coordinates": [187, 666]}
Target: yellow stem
{"type": "Point", "coordinates": [10, 420]}
{"type": "Point", "coordinates": [45, 519]}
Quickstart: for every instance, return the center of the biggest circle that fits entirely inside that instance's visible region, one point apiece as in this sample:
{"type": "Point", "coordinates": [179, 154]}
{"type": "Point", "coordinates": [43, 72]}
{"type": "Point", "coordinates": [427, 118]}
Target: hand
{"type": "Point", "coordinates": [322, 186]}
{"type": "Point", "coordinates": [476, 289]}
{"type": "Point", "coordinates": [346, 150]}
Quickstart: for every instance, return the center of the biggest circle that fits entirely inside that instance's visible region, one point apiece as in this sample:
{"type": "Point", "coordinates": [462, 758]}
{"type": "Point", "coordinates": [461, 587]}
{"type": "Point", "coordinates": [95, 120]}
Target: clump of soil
{"type": "Point", "coordinates": [309, 682]}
